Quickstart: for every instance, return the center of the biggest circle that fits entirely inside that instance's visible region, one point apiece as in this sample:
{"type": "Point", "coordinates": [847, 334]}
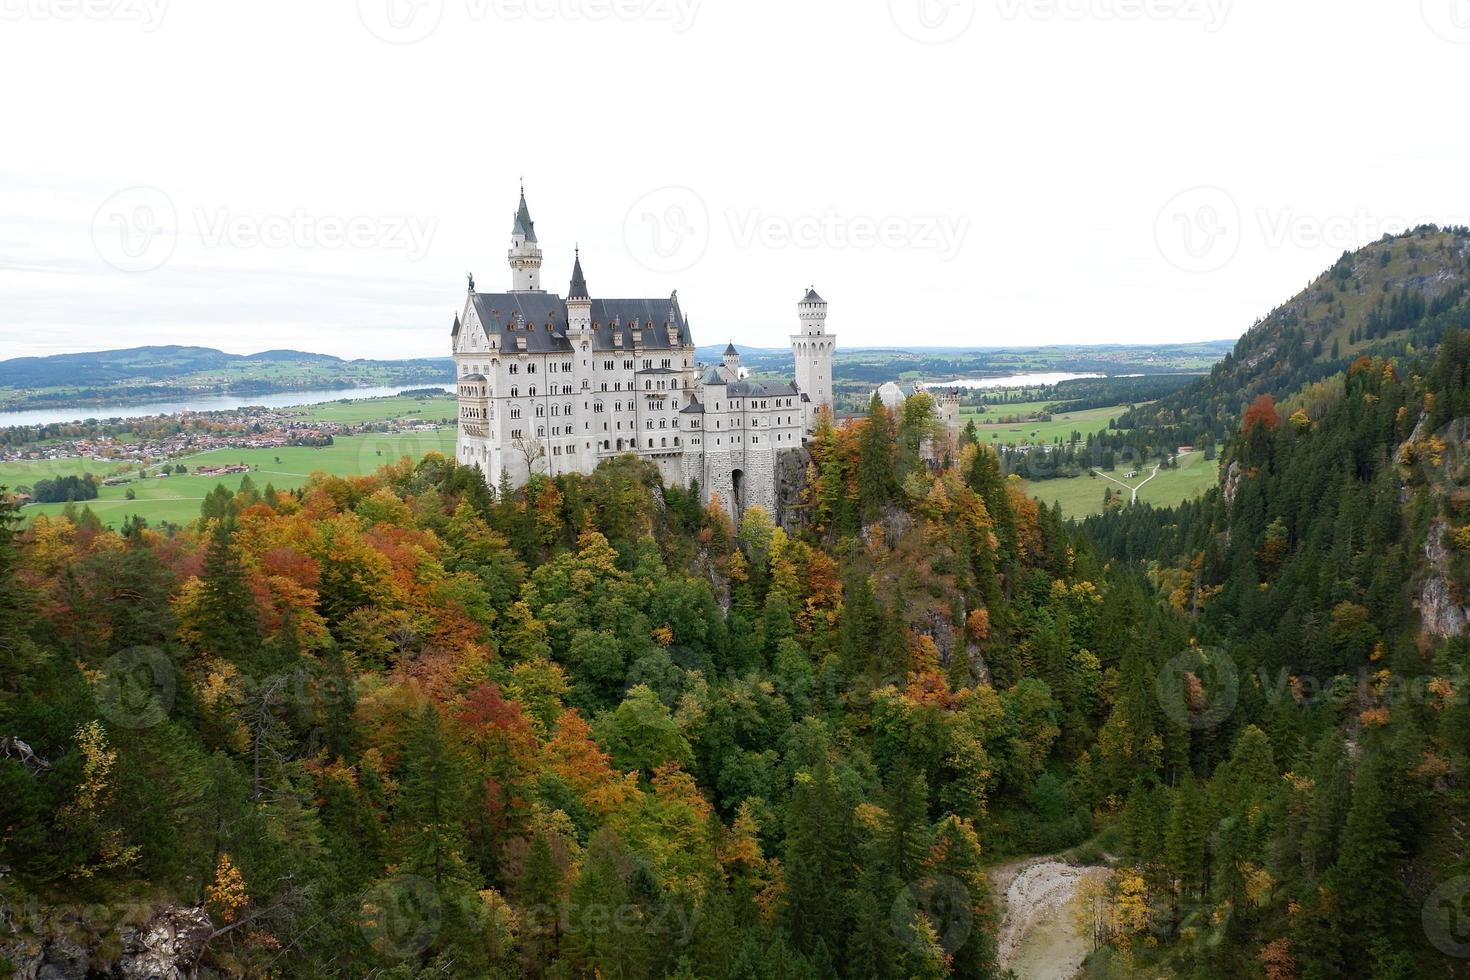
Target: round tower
{"type": "Point", "coordinates": [811, 352]}
{"type": "Point", "coordinates": [524, 254]}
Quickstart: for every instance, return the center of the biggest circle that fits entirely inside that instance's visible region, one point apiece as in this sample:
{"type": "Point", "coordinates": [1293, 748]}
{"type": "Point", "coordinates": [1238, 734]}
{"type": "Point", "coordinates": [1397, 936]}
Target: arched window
{"type": "Point", "coordinates": [515, 391]}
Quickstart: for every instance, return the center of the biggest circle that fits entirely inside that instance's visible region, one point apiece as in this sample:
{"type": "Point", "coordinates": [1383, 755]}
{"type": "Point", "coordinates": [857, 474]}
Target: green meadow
{"type": "Point", "coordinates": [1062, 424]}
{"type": "Point", "coordinates": [1083, 496]}
{"type": "Point", "coordinates": [381, 409]}
{"type": "Point", "coordinates": [177, 498]}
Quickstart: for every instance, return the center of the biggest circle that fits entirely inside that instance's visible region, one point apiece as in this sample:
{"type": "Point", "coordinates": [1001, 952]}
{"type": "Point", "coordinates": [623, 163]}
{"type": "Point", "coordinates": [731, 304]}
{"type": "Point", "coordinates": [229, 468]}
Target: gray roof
{"type": "Point", "coordinates": [474, 377]}
{"type": "Point", "coordinates": [711, 376]}
{"type": "Point", "coordinates": [812, 297]}
{"type": "Point", "coordinates": [578, 288]}
{"type": "Point", "coordinates": [540, 311]}
{"type": "Point", "coordinates": [693, 408]}
{"type": "Point", "coordinates": [454, 331]}
{"type": "Point", "coordinates": [758, 389]}
{"type": "Point", "coordinates": [730, 349]}
{"type": "Point", "coordinates": [523, 223]}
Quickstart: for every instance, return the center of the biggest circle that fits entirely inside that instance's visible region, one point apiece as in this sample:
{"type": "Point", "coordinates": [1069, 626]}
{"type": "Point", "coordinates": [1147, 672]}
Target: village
{"type": "Point", "coordinates": [189, 433]}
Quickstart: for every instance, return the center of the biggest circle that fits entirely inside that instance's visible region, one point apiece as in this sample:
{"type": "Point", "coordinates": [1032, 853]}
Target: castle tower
{"type": "Point", "coordinates": [732, 363]}
{"type": "Point", "coordinates": [812, 350]}
{"type": "Point", "coordinates": [579, 301]}
{"type": "Point", "coordinates": [524, 255]}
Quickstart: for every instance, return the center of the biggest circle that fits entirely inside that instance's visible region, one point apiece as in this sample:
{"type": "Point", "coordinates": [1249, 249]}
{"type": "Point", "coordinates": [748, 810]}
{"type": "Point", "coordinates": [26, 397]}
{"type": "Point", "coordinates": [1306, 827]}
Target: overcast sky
{"type": "Point", "coordinates": [321, 175]}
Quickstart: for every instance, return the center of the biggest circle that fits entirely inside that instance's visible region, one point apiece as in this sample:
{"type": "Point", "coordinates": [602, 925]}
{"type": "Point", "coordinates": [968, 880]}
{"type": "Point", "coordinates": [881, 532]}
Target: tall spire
{"type": "Point", "coordinates": [578, 288]}
{"type": "Point", "coordinates": [524, 226]}
{"type": "Point", "coordinates": [524, 254]}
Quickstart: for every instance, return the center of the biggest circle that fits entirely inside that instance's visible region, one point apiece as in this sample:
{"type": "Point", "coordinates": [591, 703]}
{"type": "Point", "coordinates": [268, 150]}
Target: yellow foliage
{"type": "Point", "coordinates": [227, 895]}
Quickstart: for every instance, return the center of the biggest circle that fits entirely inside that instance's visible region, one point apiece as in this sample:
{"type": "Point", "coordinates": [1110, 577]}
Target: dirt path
{"type": "Point", "coordinates": [1134, 490]}
{"type": "Point", "coordinates": [1038, 937]}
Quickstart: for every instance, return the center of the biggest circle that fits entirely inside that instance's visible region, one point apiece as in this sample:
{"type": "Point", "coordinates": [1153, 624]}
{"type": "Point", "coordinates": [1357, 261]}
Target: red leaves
{"type": "Point", "coordinates": [1262, 411]}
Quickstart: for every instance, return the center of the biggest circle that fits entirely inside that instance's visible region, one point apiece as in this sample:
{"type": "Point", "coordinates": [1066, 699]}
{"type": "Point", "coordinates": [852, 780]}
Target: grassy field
{"type": "Point", "coordinates": [1083, 496]}
{"type": "Point", "coordinates": [177, 498]}
{"type": "Point", "coordinates": [381, 409]}
{"type": "Point", "coordinates": [1062, 425]}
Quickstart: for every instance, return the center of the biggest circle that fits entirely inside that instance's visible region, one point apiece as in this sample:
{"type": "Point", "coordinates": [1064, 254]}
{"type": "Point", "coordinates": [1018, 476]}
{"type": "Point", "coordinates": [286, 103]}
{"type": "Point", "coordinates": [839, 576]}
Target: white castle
{"type": "Point", "coordinates": [552, 385]}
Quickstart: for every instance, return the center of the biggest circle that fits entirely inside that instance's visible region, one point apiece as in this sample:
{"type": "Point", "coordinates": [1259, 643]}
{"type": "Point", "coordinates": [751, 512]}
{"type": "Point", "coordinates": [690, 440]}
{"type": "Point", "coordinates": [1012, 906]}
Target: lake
{"type": "Point", "coordinates": [203, 403]}
{"type": "Point", "coordinates": [1013, 381]}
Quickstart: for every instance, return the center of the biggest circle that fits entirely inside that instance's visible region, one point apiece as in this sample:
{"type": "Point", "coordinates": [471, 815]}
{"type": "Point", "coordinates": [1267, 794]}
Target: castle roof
{"type": "Point", "coordinates": [812, 297]}
{"type": "Point", "coordinates": [578, 288]}
{"type": "Point", "coordinates": [730, 350]}
{"type": "Point", "coordinates": [454, 331]}
{"type": "Point", "coordinates": [523, 223]}
{"type": "Point", "coordinates": [545, 322]}
{"type": "Point", "coordinates": [759, 389]}
{"type": "Point", "coordinates": [711, 376]}
{"type": "Point", "coordinates": [474, 377]}
{"type": "Point", "coordinates": [693, 408]}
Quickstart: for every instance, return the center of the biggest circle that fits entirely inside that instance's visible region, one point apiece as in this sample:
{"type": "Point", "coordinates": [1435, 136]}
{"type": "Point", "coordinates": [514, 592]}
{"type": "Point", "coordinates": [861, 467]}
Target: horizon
{"type": "Point", "coordinates": [716, 344]}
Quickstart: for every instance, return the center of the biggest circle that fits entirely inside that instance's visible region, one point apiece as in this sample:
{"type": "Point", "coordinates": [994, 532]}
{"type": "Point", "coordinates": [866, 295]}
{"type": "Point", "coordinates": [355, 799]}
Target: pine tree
{"type": "Point", "coordinates": [876, 477]}
{"type": "Point", "coordinates": [816, 860]}
{"type": "Point", "coordinates": [431, 808]}
{"type": "Point", "coordinates": [228, 624]}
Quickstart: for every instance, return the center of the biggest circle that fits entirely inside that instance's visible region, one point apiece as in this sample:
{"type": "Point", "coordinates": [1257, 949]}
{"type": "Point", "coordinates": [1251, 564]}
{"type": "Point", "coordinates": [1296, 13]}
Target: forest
{"type": "Point", "coordinates": [407, 725]}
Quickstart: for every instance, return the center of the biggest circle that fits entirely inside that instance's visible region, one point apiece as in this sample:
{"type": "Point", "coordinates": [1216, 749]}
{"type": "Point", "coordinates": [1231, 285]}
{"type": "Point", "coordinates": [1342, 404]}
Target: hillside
{"type": "Point", "coordinates": [1395, 296]}
{"type": "Point", "coordinates": [143, 373]}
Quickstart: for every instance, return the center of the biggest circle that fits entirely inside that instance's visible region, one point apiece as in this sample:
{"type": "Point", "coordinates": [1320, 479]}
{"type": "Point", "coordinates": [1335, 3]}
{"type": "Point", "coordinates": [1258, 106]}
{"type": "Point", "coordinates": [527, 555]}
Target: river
{"type": "Point", "coordinates": [203, 403]}
{"type": "Point", "coordinates": [1014, 380]}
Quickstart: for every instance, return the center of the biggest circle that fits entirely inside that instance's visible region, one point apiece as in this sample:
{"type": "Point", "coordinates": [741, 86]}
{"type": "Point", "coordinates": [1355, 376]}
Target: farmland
{"type": "Point", "coordinates": [1083, 496]}
{"type": "Point", "coordinates": [176, 498]}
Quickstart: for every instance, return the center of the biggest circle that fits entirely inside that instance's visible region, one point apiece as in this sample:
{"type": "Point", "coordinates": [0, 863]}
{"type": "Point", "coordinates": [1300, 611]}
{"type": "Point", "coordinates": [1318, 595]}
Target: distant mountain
{"type": "Point", "coordinates": [1397, 295]}
{"type": "Point", "coordinates": [160, 364]}
{"type": "Point", "coordinates": [147, 373]}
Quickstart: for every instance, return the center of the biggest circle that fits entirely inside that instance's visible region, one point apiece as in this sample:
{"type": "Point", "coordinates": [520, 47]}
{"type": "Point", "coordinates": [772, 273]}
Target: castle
{"type": "Point", "coordinates": [552, 385]}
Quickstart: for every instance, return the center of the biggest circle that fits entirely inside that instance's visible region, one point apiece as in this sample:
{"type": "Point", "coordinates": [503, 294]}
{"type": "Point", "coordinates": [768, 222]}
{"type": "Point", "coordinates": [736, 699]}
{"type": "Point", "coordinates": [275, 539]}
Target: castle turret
{"type": "Point", "coordinates": [525, 254]}
{"type": "Point", "coordinates": [732, 363]}
{"type": "Point", "coordinates": [812, 351]}
{"type": "Point", "coordinates": [579, 301]}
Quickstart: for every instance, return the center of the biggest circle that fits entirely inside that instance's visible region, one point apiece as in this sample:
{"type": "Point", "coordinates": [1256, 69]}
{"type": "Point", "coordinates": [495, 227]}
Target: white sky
{"type": "Point", "coordinates": [1029, 180]}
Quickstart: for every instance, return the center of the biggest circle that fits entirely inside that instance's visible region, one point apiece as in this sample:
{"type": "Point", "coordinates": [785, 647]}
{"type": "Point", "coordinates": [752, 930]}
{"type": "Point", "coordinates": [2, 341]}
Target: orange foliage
{"type": "Point", "coordinates": [1262, 411]}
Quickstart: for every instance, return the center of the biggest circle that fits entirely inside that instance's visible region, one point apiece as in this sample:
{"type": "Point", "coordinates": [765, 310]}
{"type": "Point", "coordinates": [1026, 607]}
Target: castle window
{"type": "Point", "coordinates": [540, 410]}
{"type": "Point", "coordinates": [540, 431]}
{"type": "Point", "coordinates": [515, 369]}
{"type": "Point", "coordinates": [628, 365]}
{"type": "Point", "coordinates": [515, 413]}
{"type": "Point", "coordinates": [567, 409]}
{"type": "Point", "coordinates": [664, 443]}
{"type": "Point", "coordinates": [532, 391]}
{"type": "Point", "coordinates": [676, 440]}
{"type": "Point", "coordinates": [515, 392]}
{"type": "Point", "coordinates": [604, 386]}
{"type": "Point", "coordinates": [650, 444]}
{"type": "Point", "coordinates": [531, 368]}
{"type": "Point", "coordinates": [586, 385]}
